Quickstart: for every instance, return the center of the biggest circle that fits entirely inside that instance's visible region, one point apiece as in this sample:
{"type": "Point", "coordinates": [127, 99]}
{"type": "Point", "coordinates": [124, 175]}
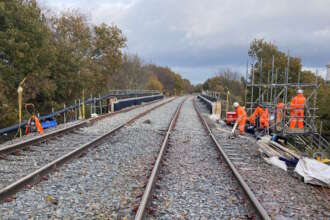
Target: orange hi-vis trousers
{"type": "Point", "coordinates": [241, 118]}
{"type": "Point", "coordinates": [242, 123]}
{"type": "Point", "coordinates": [279, 110]}
{"type": "Point", "coordinates": [297, 111]}
{"type": "Point", "coordinates": [264, 119]}
{"type": "Point", "coordinates": [257, 112]}
{"type": "Point", "coordinates": [297, 115]}
{"type": "Point", "coordinates": [37, 123]}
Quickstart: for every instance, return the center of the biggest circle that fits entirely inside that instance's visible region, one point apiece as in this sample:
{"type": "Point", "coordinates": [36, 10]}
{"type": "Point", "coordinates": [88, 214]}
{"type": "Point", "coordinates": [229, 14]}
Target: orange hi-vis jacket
{"type": "Point", "coordinates": [264, 119]}
{"type": "Point", "coordinates": [298, 102]}
{"type": "Point", "coordinates": [257, 112]}
{"type": "Point", "coordinates": [297, 106]}
{"type": "Point", "coordinates": [279, 110]}
{"type": "Point", "coordinates": [37, 123]}
{"type": "Point", "coordinates": [241, 118]}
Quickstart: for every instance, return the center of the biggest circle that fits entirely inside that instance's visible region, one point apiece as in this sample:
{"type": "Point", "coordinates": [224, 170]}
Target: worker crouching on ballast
{"type": "Point", "coordinates": [264, 119]}
{"type": "Point", "coordinates": [255, 115]}
{"type": "Point", "coordinates": [33, 123]}
{"type": "Point", "coordinates": [241, 117]}
{"type": "Point", "coordinates": [262, 114]}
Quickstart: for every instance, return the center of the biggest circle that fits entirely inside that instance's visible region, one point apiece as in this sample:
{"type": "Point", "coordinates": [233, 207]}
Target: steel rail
{"type": "Point", "coordinates": [260, 209]}
{"type": "Point", "coordinates": [148, 190]}
{"type": "Point", "coordinates": [37, 174]}
{"type": "Point", "coordinates": [38, 139]}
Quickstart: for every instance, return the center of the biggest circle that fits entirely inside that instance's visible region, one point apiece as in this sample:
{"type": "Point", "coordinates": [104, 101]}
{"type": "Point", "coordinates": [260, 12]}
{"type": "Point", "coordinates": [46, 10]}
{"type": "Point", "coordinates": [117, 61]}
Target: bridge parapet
{"type": "Point", "coordinates": [97, 105]}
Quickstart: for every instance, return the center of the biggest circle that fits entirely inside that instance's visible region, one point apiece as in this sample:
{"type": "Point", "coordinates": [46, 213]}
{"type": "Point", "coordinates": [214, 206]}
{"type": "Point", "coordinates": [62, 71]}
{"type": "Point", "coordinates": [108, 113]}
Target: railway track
{"type": "Point", "coordinates": [18, 144]}
{"type": "Point", "coordinates": [26, 163]}
{"type": "Point", "coordinates": [192, 179]}
{"type": "Point", "coordinates": [106, 182]}
{"type": "Point", "coordinates": [280, 193]}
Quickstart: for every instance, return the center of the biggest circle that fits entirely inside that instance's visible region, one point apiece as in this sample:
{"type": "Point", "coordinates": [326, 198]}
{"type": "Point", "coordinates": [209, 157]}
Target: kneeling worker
{"type": "Point", "coordinates": [241, 117]}
{"type": "Point", "coordinates": [256, 114]}
{"type": "Point", "coordinates": [264, 119]}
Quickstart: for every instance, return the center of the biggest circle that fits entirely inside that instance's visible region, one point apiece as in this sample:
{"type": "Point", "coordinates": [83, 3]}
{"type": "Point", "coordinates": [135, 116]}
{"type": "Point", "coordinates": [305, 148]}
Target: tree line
{"type": "Point", "coordinates": [61, 55]}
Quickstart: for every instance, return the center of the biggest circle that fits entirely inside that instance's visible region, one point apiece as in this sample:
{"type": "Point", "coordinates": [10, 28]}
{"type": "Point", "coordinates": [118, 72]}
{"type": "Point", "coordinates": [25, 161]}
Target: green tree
{"type": "Point", "coordinates": [154, 84]}
{"type": "Point", "coordinates": [71, 38]}
{"type": "Point", "coordinates": [25, 51]}
{"type": "Point", "coordinates": [263, 52]}
{"type": "Point", "coordinates": [172, 82]}
{"type": "Point", "coordinates": [188, 88]}
{"type": "Point", "coordinates": [131, 75]}
{"type": "Point", "coordinates": [198, 88]}
{"type": "Point", "coordinates": [226, 81]}
{"type": "Point", "coordinates": [107, 55]}
{"type": "Point", "coordinates": [63, 54]}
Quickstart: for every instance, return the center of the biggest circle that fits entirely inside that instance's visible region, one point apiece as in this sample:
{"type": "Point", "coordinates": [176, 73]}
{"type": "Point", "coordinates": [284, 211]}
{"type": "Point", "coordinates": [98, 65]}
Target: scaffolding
{"type": "Point", "coordinates": [270, 93]}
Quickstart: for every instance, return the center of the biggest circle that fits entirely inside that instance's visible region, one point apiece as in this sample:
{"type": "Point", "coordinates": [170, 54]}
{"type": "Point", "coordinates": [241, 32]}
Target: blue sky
{"type": "Point", "coordinates": [198, 38]}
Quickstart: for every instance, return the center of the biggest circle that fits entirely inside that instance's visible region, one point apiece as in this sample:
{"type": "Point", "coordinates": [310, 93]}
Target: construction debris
{"type": "Point", "coordinates": [215, 117]}
{"type": "Point", "coordinates": [94, 115]}
{"type": "Point", "coordinates": [313, 171]}
{"type": "Point", "coordinates": [276, 162]}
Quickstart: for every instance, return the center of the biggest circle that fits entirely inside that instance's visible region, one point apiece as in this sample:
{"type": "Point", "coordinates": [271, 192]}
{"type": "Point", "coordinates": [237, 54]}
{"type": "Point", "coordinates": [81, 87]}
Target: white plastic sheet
{"type": "Point", "coordinates": [214, 117]}
{"type": "Point", "coordinates": [276, 162]}
{"type": "Point", "coordinates": [313, 171]}
{"type": "Point", "coordinates": [94, 115]}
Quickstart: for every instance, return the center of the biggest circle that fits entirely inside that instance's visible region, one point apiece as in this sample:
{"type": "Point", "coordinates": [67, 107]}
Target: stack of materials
{"type": "Point", "coordinates": [312, 171]}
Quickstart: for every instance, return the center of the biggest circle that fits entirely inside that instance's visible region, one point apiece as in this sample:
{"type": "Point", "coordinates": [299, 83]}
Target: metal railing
{"type": "Point", "coordinates": [75, 107]}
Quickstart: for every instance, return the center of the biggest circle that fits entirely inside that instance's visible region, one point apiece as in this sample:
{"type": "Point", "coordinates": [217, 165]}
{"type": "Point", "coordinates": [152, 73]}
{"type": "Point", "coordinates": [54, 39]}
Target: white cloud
{"type": "Point", "coordinates": [190, 34]}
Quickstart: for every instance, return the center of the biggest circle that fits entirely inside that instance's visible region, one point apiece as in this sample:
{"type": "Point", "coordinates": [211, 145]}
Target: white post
{"type": "Point", "coordinates": [64, 115]}
{"type": "Point", "coordinates": [100, 102]}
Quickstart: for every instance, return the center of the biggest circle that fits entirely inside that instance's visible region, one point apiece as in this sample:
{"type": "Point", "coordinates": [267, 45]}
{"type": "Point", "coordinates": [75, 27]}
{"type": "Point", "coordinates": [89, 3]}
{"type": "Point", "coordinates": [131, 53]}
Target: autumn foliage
{"type": "Point", "coordinates": [63, 54]}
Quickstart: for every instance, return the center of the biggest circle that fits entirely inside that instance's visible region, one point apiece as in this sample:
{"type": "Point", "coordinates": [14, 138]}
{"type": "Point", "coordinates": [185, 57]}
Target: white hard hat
{"type": "Point", "coordinates": [235, 104]}
{"type": "Point", "coordinates": [300, 91]}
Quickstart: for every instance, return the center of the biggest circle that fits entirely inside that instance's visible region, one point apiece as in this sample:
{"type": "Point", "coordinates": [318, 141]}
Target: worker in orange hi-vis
{"type": "Point", "coordinates": [264, 119]}
{"type": "Point", "coordinates": [297, 106]}
{"type": "Point", "coordinates": [257, 113]}
{"type": "Point", "coordinates": [241, 117]}
{"type": "Point", "coordinates": [279, 111]}
{"type": "Point", "coordinates": [37, 124]}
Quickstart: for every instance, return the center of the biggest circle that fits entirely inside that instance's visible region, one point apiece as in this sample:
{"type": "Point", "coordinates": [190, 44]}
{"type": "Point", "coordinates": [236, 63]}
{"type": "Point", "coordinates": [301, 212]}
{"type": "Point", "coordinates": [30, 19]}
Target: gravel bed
{"type": "Point", "coordinates": [16, 166]}
{"type": "Point", "coordinates": [195, 182]}
{"type": "Point", "coordinates": [105, 183]}
{"type": "Point", "coordinates": [35, 134]}
{"type": "Point", "coordinates": [283, 195]}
